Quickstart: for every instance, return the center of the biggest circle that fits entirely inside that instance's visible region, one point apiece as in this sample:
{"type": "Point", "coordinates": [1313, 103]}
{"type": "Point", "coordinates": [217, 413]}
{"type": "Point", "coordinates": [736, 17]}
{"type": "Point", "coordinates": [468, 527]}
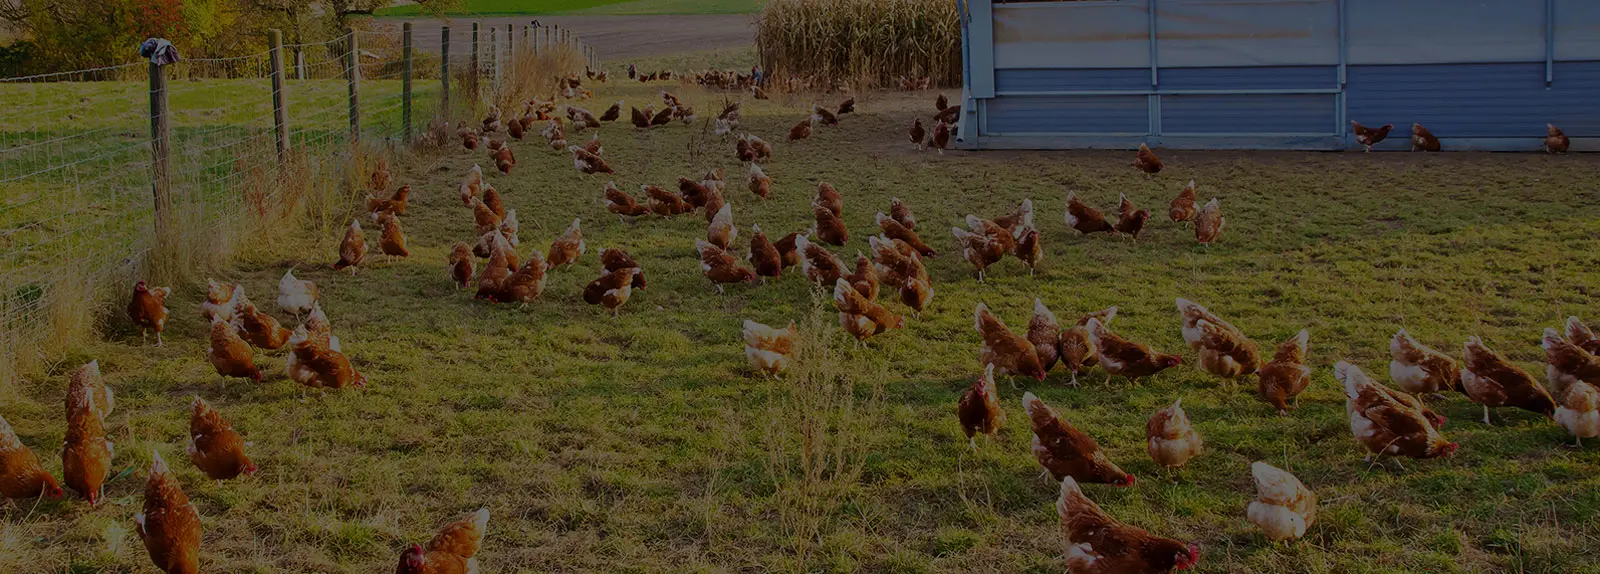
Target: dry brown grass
{"type": "Point", "coordinates": [875, 42]}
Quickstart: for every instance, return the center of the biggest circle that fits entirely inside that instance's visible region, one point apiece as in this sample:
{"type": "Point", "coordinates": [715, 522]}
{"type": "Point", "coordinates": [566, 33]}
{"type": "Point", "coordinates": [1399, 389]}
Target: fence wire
{"type": "Point", "coordinates": [77, 208]}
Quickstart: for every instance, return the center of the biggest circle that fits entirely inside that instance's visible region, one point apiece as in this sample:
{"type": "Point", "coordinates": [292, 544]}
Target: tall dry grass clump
{"type": "Point", "coordinates": [820, 415]}
{"type": "Point", "coordinates": [867, 41]}
{"type": "Point", "coordinates": [528, 75]}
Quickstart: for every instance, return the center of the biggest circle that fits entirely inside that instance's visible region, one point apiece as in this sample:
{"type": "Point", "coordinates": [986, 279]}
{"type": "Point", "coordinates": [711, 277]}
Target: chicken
{"type": "Point", "coordinates": [1066, 452]}
{"type": "Point", "coordinates": [472, 185]}
{"type": "Point", "coordinates": [979, 409]}
{"type": "Point", "coordinates": [978, 249]}
{"type": "Point", "coordinates": [758, 182]}
{"type": "Point", "coordinates": [998, 234]}
{"type": "Point", "coordinates": [492, 278]}
{"type": "Point", "coordinates": [802, 130]}
{"type": "Point", "coordinates": [769, 350]}
{"type": "Point", "coordinates": [663, 117]}
{"type": "Point", "coordinates": [214, 447]}
{"type": "Point", "coordinates": [453, 551]}
{"type": "Point", "coordinates": [295, 296]}
{"type": "Point", "coordinates": [1008, 352]}
{"type": "Point", "coordinates": [380, 175]}
{"type": "Point", "coordinates": [1146, 161]}
{"type": "Point", "coordinates": [1422, 139]}
{"type": "Point", "coordinates": [918, 134]}
{"type": "Point", "coordinates": [514, 129]}
{"type": "Point", "coordinates": [21, 473]}
{"type": "Point", "coordinates": [622, 204]}
{"type": "Point", "coordinates": [1085, 219]}
{"type": "Point", "coordinates": [788, 250]}
{"type": "Point", "coordinates": [824, 116]}
{"type": "Point", "coordinates": [941, 137]}
{"type": "Point", "coordinates": [1124, 358]}
{"type": "Point", "coordinates": [1224, 350]}
{"type": "Point", "coordinates": [1030, 248]}
{"type": "Point", "coordinates": [1284, 508]}
{"type": "Point", "coordinates": [614, 259]}
{"type": "Point", "coordinates": [86, 454]}
{"type": "Point", "coordinates": [1554, 140]}
{"type": "Point", "coordinates": [611, 290]}
{"type": "Point", "coordinates": [694, 192]}
{"type": "Point", "coordinates": [491, 122]}
{"type": "Point", "coordinates": [1078, 351]}
{"type": "Point", "coordinates": [229, 353]}
{"type": "Point", "coordinates": [392, 243]}
{"type": "Point", "coordinates": [640, 119]}
{"type": "Point", "coordinates": [948, 115]}
{"type": "Point", "coordinates": [764, 255]}
{"type": "Point", "coordinates": [460, 262]}
{"type": "Point", "coordinates": [593, 146]}
{"type": "Point", "coordinates": [1369, 137]}
{"type": "Point", "coordinates": [612, 113]}
{"type": "Point", "coordinates": [1182, 207]}
{"type": "Point", "coordinates": [1099, 544]}
{"type": "Point", "coordinates": [1578, 412]}
{"type": "Point", "coordinates": [817, 264]}
{"type": "Point", "coordinates": [1385, 424]}
{"type": "Point", "coordinates": [865, 279]}
{"type": "Point", "coordinates": [259, 329]}
{"type": "Point", "coordinates": [168, 524]}
{"type": "Point", "coordinates": [1419, 369]}
{"type": "Point", "coordinates": [894, 229]}
{"type": "Point", "coordinates": [1581, 336]}
{"type": "Point", "coordinates": [1208, 225]}
{"type": "Point", "coordinates": [721, 232]}
{"type": "Point", "coordinates": [1130, 220]}
{"type": "Point", "coordinates": [566, 250]}
{"type": "Point", "coordinates": [902, 269]}
{"type": "Point", "coordinates": [1169, 438]}
{"type": "Point", "coordinates": [720, 267]}
{"type": "Point", "coordinates": [219, 301]}
{"type": "Point", "coordinates": [941, 102]}
{"type": "Point", "coordinates": [1491, 380]}
{"type": "Point", "coordinates": [1286, 375]}
{"type": "Point", "coordinates": [352, 249]}
{"type": "Point", "coordinates": [588, 163]}
{"type": "Point", "coordinates": [859, 317]}
{"type": "Point", "coordinates": [665, 203]}
{"type": "Point", "coordinates": [508, 227]}
{"type": "Point", "coordinates": [396, 203]}
{"type": "Point", "coordinates": [318, 365]}
{"type": "Point", "coordinates": [829, 198]}
{"type": "Point", "coordinates": [743, 150]}
{"type": "Point", "coordinates": [491, 200]}
{"type": "Point", "coordinates": [1044, 332]}
{"type": "Point", "coordinates": [1567, 364]}
{"type": "Point", "coordinates": [901, 213]}
{"type": "Point", "coordinates": [87, 379]}
{"type": "Point", "coordinates": [526, 283]}
{"type": "Point", "coordinates": [829, 228]}
{"type": "Point", "coordinates": [504, 160]}
{"type": "Point", "coordinates": [148, 309]}
{"type": "Point", "coordinates": [762, 149]}
{"type": "Point", "coordinates": [469, 138]}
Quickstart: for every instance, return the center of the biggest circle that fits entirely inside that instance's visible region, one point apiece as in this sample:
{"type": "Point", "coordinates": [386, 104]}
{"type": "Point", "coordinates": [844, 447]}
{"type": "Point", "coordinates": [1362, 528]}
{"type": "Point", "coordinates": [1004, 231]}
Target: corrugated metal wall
{"type": "Point", "coordinates": [1286, 74]}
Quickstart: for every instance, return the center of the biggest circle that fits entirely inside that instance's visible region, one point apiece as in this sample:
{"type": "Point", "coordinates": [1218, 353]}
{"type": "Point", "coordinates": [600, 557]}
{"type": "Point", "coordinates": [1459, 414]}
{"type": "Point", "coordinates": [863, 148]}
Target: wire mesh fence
{"type": "Point", "coordinates": [78, 158]}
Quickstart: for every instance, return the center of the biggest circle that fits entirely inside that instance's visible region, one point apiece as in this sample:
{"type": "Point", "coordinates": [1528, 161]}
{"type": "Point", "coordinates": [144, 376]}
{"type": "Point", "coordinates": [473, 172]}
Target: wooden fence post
{"type": "Point", "coordinates": [511, 49]}
{"type": "Point", "coordinates": [475, 67]}
{"type": "Point", "coordinates": [353, 77]}
{"type": "Point", "coordinates": [405, 79]}
{"type": "Point", "coordinates": [494, 49]}
{"type": "Point", "coordinates": [165, 251]}
{"type": "Point", "coordinates": [444, 71]}
{"type": "Point", "coordinates": [280, 113]}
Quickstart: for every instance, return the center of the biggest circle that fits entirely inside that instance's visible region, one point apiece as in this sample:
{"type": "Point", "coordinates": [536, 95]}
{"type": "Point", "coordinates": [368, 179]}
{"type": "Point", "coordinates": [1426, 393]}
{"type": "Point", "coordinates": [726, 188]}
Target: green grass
{"type": "Point", "coordinates": [589, 7]}
{"type": "Point", "coordinates": [644, 443]}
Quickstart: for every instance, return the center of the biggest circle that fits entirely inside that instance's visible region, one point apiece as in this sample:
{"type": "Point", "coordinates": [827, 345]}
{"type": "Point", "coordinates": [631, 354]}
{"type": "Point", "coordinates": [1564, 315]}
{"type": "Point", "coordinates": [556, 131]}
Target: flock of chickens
{"type": "Point", "coordinates": [1423, 140]}
{"type": "Point", "coordinates": [1383, 420]}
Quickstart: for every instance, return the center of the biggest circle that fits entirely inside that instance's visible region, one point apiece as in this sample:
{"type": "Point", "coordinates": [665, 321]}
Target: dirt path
{"type": "Point", "coordinates": [615, 37]}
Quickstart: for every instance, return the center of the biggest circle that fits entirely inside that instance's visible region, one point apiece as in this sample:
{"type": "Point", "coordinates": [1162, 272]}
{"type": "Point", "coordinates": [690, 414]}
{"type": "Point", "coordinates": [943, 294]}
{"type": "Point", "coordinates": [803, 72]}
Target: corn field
{"type": "Point", "coordinates": [872, 42]}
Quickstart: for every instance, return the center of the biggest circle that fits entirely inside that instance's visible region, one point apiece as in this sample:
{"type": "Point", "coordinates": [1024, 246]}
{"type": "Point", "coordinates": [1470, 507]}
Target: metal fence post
{"type": "Point", "coordinates": [405, 79]}
{"type": "Point", "coordinates": [164, 252]}
{"type": "Point", "coordinates": [444, 70]}
{"type": "Point", "coordinates": [280, 113]}
{"type": "Point", "coordinates": [353, 77]}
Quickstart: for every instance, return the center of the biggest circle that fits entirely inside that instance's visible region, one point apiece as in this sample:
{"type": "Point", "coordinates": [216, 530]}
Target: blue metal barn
{"type": "Point", "coordinates": [1278, 74]}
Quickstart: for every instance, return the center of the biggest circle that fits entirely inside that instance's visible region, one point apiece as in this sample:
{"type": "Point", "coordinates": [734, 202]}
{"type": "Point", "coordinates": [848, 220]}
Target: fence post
{"type": "Point", "coordinates": [444, 71]}
{"type": "Point", "coordinates": [525, 43]}
{"type": "Point", "coordinates": [352, 75]}
{"type": "Point", "coordinates": [405, 79]}
{"type": "Point", "coordinates": [280, 113]}
{"type": "Point", "coordinates": [164, 253]}
{"type": "Point", "coordinates": [475, 67]}
{"type": "Point", "coordinates": [511, 48]}
{"type": "Point", "coordinates": [494, 48]}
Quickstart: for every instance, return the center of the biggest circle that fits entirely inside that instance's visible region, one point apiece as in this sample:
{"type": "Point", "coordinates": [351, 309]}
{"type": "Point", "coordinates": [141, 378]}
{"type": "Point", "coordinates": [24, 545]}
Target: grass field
{"type": "Point", "coordinates": [590, 7]}
{"type": "Point", "coordinates": [644, 443]}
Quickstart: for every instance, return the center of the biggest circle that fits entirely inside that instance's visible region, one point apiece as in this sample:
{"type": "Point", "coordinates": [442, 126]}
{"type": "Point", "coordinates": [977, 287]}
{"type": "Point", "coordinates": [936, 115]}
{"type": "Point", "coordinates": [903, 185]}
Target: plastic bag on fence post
{"type": "Point", "coordinates": [159, 50]}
